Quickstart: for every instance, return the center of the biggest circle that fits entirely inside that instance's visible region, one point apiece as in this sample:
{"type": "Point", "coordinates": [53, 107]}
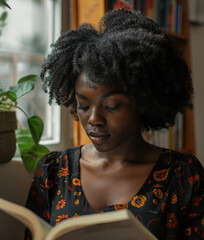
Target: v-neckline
{"type": "Point", "coordinates": [139, 191]}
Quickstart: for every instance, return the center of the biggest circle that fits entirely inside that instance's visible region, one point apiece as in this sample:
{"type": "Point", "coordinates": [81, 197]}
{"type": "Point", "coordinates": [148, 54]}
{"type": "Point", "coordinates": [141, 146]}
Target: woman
{"type": "Point", "coordinates": [118, 81]}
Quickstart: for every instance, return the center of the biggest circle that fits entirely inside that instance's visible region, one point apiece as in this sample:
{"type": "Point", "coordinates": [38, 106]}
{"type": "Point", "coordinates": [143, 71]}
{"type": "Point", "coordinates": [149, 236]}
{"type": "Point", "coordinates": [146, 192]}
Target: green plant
{"type": "Point", "coordinates": [3, 17]}
{"type": "Point", "coordinates": [4, 3]}
{"type": "Point", "coordinates": [28, 139]}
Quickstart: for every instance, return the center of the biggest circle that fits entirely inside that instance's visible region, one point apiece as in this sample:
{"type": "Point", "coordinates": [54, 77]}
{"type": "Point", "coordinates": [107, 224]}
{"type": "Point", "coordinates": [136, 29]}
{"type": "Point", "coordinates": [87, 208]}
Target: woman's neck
{"type": "Point", "coordinates": [137, 152]}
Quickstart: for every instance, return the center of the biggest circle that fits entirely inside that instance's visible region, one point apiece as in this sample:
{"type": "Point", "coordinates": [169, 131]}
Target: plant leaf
{"type": "Point", "coordinates": [3, 16]}
{"type": "Point", "coordinates": [4, 3]}
{"type": "Point", "coordinates": [36, 128]}
{"type": "Point", "coordinates": [3, 93]}
{"type": "Point", "coordinates": [32, 157]}
{"type": "Point", "coordinates": [2, 24]}
{"type": "Point", "coordinates": [24, 140]}
{"type": "Point", "coordinates": [22, 88]}
{"type": "Point", "coordinates": [27, 78]}
{"type": "Point", "coordinates": [30, 153]}
{"type": "Point", "coordinates": [11, 96]}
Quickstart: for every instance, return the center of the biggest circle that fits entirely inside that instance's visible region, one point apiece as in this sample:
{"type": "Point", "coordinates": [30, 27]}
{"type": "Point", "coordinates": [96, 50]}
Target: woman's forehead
{"type": "Point", "coordinates": [85, 81]}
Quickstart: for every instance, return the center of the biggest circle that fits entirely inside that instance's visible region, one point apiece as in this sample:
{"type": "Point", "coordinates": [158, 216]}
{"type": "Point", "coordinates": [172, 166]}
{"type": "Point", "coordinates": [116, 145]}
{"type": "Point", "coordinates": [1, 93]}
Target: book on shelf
{"type": "Point", "coordinates": [171, 138]}
{"type": "Point", "coordinates": [126, 4]}
{"type": "Point", "coordinates": [168, 13]}
{"type": "Point", "coordinates": [120, 225]}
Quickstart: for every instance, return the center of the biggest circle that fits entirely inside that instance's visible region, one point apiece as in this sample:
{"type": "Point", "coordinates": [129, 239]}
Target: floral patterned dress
{"type": "Point", "coordinates": [170, 202]}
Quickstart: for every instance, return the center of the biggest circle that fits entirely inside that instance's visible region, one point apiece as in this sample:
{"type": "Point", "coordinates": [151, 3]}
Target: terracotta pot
{"type": "Point", "coordinates": [8, 124]}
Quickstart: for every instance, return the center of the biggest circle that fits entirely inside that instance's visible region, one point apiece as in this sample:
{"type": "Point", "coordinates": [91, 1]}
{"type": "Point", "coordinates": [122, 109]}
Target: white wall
{"type": "Point", "coordinates": [197, 65]}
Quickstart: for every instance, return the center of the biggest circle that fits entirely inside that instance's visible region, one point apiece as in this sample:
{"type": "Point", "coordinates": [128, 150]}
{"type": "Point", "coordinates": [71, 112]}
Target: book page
{"type": "Point", "coordinates": [122, 230]}
{"type": "Point", "coordinates": [120, 225]}
{"type": "Point", "coordinates": [37, 226]}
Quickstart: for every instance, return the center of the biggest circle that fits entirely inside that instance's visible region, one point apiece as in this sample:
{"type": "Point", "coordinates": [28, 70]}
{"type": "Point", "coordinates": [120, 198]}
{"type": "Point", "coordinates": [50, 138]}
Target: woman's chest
{"type": "Point", "coordinates": [157, 210]}
{"type": "Point", "coordinates": [106, 188]}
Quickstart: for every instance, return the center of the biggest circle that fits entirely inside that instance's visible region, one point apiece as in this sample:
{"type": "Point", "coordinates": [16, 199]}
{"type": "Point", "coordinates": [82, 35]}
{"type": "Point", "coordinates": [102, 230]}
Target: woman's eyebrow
{"type": "Point", "coordinates": [112, 93]}
{"type": "Point", "coordinates": [103, 96]}
{"type": "Point", "coordinates": [80, 95]}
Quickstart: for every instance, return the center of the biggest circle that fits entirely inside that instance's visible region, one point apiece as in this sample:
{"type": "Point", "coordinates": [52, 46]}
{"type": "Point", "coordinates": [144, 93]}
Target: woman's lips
{"type": "Point", "coordinates": [98, 137]}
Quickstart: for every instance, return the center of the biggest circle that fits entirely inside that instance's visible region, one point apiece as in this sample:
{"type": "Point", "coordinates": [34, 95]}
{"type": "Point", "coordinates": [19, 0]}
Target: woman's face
{"type": "Point", "coordinates": [106, 114]}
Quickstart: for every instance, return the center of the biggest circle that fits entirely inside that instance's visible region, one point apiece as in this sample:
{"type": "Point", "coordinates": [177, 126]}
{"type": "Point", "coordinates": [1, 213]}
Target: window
{"type": "Point", "coordinates": [32, 25]}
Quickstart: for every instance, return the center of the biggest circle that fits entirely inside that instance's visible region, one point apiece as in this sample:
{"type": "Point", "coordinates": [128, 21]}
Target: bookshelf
{"type": "Point", "coordinates": [91, 11]}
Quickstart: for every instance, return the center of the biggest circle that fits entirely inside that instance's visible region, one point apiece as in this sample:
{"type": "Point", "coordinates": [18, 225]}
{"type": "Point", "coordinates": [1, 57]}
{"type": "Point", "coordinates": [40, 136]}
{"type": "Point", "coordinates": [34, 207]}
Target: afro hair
{"type": "Point", "coordinates": [130, 49]}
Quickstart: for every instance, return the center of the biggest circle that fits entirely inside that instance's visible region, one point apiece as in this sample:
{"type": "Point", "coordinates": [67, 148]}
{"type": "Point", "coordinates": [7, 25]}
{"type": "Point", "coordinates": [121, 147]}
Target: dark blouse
{"type": "Point", "coordinates": [170, 203]}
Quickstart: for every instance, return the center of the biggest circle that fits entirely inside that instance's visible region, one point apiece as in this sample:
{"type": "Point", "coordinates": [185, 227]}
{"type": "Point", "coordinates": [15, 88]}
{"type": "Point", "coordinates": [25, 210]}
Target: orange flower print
{"type": "Point", "coordinates": [58, 192]}
{"type": "Point", "coordinates": [161, 175]}
{"type": "Point", "coordinates": [195, 229]}
{"type": "Point", "coordinates": [138, 201]}
{"type": "Point", "coordinates": [48, 183]}
{"type": "Point", "coordinates": [65, 160]}
{"type": "Point", "coordinates": [193, 215]}
{"type": "Point", "coordinates": [163, 207]}
{"type": "Point", "coordinates": [70, 187]}
{"type": "Point", "coordinates": [158, 193]}
{"type": "Point", "coordinates": [46, 214]}
{"type": "Point", "coordinates": [171, 220]}
{"type": "Point", "coordinates": [76, 182]}
{"type": "Point", "coordinates": [193, 179]}
{"type": "Point", "coordinates": [158, 185]}
{"type": "Point", "coordinates": [63, 172]}
{"type": "Point", "coordinates": [76, 202]}
{"type": "Point", "coordinates": [202, 221]}
{"type": "Point", "coordinates": [173, 198]}
{"type": "Point", "coordinates": [190, 160]}
{"type": "Point", "coordinates": [188, 232]}
{"type": "Point", "coordinates": [39, 171]}
{"type": "Point", "coordinates": [61, 218]}
{"type": "Point", "coordinates": [77, 194]}
{"type": "Point", "coordinates": [76, 215]}
{"type": "Point", "coordinates": [120, 206]}
{"type": "Point", "coordinates": [60, 204]}
{"type": "Point", "coordinates": [155, 201]}
{"type": "Point", "coordinates": [196, 201]}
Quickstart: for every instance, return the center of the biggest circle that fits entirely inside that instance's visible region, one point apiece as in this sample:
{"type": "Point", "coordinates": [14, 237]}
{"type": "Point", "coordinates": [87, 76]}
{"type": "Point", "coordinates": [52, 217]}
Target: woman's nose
{"type": "Point", "coordinates": [96, 118]}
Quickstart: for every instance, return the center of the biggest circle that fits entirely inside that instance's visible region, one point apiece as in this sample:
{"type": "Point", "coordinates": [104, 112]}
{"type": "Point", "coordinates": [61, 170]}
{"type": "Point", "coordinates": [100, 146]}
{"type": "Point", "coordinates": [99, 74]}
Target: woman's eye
{"type": "Point", "coordinates": [112, 108]}
{"type": "Point", "coordinates": [83, 108]}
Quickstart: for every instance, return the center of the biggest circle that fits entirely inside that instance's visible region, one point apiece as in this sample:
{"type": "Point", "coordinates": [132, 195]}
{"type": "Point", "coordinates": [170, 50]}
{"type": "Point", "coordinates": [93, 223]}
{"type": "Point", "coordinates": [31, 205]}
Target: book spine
{"type": "Point", "coordinates": [177, 19]}
{"type": "Point", "coordinates": [137, 4]}
{"type": "Point", "coordinates": [167, 15]}
{"type": "Point", "coordinates": [142, 6]}
{"type": "Point", "coordinates": [154, 9]}
{"type": "Point", "coordinates": [161, 6]}
{"type": "Point", "coordinates": [173, 15]}
{"type": "Point", "coordinates": [148, 8]}
{"type": "Point", "coordinates": [180, 19]}
{"type": "Point", "coordinates": [126, 4]}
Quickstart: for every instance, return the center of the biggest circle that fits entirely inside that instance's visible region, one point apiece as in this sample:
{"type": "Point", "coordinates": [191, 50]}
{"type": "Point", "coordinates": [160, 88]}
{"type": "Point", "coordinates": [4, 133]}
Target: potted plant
{"type": "Point", "coordinates": [28, 139]}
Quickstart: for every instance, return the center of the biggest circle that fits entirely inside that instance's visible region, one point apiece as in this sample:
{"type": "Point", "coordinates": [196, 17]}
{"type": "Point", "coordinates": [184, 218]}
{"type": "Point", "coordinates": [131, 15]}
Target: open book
{"type": "Point", "coordinates": [120, 225]}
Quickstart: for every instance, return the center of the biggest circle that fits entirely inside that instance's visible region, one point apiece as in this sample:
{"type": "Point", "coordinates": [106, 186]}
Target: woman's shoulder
{"type": "Point", "coordinates": [183, 166]}
{"type": "Point", "coordinates": [182, 159]}
{"type": "Point", "coordinates": [54, 160]}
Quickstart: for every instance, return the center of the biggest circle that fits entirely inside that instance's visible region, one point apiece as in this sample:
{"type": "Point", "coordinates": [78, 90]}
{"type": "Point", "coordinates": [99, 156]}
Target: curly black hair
{"type": "Point", "coordinates": [130, 49]}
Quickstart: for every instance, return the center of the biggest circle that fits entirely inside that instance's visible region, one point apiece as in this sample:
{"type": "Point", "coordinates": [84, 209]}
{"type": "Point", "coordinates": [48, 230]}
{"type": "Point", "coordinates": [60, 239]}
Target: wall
{"type": "Point", "coordinates": [197, 64]}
